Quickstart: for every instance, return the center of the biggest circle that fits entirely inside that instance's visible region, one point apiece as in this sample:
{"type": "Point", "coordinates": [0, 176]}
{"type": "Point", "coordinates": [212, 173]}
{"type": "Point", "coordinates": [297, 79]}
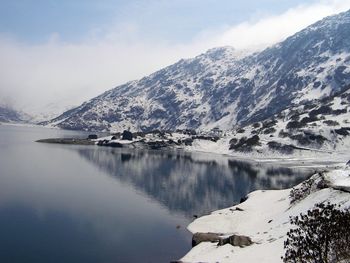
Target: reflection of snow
{"type": "Point", "coordinates": [188, 183]}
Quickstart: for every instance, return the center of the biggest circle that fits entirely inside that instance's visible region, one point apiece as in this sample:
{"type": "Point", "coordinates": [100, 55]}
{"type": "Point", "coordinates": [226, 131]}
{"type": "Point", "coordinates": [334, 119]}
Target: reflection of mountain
{"type": "Point", "coordinates": [189, 183]}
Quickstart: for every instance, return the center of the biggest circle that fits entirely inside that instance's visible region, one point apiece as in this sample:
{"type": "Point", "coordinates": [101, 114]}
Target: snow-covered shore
{"type": "Point", "coordinates": [264, 217]}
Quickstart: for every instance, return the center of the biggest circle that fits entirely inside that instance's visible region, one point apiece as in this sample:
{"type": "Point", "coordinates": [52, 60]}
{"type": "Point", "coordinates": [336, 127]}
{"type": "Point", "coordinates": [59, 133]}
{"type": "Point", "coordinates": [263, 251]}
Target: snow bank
{"type": "Point", "coordinates": [265, 219]}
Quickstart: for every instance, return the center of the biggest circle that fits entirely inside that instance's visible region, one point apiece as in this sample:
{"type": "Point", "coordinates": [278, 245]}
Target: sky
{"type": "Point", "coordinates": [55, 54]}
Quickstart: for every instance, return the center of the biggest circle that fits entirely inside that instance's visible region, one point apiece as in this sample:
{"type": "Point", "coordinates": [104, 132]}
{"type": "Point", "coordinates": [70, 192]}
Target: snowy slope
{"type": "Point", "coordinates": [8, 114]}
{"type": "Point", "coordinates": [317, 127]}
{"type": "Point", "coordinates": [265, 218]}
{"type": "Point", "coordinates": [224, 88]}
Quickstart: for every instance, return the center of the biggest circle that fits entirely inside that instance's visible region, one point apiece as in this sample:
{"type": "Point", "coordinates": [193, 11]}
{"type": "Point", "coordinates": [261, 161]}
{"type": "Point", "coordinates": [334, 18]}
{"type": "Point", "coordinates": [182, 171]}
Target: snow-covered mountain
{"type": "Point", "coordinates": [321, 126]}
{"type": "Point", "coordinates": [224, 88]}
{"type": "Point", "coordinates": [8, 114]}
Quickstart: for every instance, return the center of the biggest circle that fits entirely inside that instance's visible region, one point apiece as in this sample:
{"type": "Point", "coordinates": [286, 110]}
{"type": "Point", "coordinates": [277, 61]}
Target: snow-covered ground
{"type": "Point", "coordinates": [264, 217]}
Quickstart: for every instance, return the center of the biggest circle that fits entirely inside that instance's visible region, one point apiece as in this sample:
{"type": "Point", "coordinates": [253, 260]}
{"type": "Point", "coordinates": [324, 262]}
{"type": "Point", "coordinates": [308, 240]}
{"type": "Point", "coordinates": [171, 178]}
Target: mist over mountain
{"type": "Point", "coordinates": [225, 88]}
{"type": "Point", "coordinates": [10, 115]}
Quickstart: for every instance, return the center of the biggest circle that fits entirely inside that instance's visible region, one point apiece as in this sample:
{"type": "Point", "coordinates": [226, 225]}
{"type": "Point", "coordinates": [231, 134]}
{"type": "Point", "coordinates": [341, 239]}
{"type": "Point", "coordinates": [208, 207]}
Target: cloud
{"type": "Point", "coordinates": [63, 73]}
{"type": "Point", "coordinates": [269, 30]}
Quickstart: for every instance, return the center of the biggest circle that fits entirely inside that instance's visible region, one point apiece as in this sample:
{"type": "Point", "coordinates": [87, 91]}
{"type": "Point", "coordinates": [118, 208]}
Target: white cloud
{"type": "Point", "coordinates": [68, 73]}
{"type": "Point", "coordinates": [269, 30]}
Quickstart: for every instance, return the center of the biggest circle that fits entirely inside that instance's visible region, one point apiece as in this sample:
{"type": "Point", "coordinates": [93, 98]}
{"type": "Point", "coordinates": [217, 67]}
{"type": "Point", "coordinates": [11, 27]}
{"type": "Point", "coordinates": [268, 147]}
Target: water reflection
{"type": "Point", "coordinates": [64, 203]}
{"type": "Point", "coordinates": [56, 206]}
{"type": "Point", "coordinates": [190, 183]}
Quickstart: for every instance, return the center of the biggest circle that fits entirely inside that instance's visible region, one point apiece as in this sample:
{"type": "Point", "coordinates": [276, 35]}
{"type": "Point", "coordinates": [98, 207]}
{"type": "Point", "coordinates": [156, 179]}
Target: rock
{"type": "Point", "coordinates": [322, 184]}
{"type": "Point", "coordinates": [236, 240]}
{"type": "Point", "coordinates": [92, 137]}
{"type": "Point", "coordinates": [243, 199]}
{"type": "Point", "coordinates": [205, 237]}
{"type": "Point", "coordinates": [348, 163]}
{"type": "Point", "coordinates": [127, 135]}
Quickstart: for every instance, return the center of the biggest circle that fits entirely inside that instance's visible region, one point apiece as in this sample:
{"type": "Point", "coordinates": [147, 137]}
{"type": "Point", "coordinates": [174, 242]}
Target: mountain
{"type": "Point", "coordinates": [322, 126]}
{"type": "Point", "coordinates": [224, 88]}
{"type": "Point", "coordinates": [8, 114]}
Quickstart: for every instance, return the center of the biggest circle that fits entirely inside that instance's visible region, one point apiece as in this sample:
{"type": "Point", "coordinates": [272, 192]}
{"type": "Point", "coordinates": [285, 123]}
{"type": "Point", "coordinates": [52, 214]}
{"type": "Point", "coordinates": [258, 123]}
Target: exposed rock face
{"type": "Point", "coordinates": [223, 88]}
{"type": "Point", "coordinates": [234, 240]}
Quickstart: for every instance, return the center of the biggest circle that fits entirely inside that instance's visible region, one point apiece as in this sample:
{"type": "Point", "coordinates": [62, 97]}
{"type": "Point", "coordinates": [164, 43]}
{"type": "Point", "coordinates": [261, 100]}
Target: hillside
{"type": "Point", "coordinates": [225, 88]}
{"type": "Point", "coordinates": [10, 115]}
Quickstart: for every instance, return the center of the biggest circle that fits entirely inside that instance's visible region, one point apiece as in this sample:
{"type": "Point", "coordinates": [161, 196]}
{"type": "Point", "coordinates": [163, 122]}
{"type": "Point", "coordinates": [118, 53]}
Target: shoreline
{"type": "Point", "coordinates": [264, 218]}
{"type": "Point", "coordinates": [315, 160]}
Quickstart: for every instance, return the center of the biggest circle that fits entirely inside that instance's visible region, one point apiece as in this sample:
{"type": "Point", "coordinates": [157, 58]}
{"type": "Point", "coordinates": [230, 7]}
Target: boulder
{"type": "Point", "coordinates": [205, 237]}
{"type": "Point", "coordinates": [236, 240]}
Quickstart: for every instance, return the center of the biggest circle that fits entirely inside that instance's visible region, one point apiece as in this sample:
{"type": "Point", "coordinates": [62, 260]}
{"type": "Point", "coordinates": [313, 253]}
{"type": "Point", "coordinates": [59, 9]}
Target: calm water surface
{"type": "Point", "coordinates": [66, 203]}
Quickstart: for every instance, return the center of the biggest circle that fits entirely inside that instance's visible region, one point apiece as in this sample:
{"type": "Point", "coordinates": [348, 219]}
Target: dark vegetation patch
{"type": "Point", "coordinates": [269, 124]}
{"type": "Point", "coordinates": [244, 144]}
{"type": "Point", "coordinates": [269, 130]}
{"type": "Point", "coordinates": [282, 148]}
{"type": "Point", "coordinates": [340, 111]}
{"type": "Point", "coordinates": [208, 138]}
{"type": "Point", "coordinates": [283, 134]}
{"type": "Point", "coordinates": [256, 125]}
{"type": "Point", "coordinates": [331, 123]}
{"type": "Point", "coordinates": [301, 191]}
{"type": "Point", "coordinates": [324, 110]}
{"type": "Point", "coordinates": [344, 131]}
{"type": "Point", "coordinates": [295, 125]}
{"type": "Point", "coordinates": [308, 138]}
{"type": "Point", "coordinates": [295, 117]}
{"type": "Point", "coordinates": [309, 119]}
{"type": "Point", "coordinates": [327, 110]}
{"type": "Point", "coordinates": [309, 106]}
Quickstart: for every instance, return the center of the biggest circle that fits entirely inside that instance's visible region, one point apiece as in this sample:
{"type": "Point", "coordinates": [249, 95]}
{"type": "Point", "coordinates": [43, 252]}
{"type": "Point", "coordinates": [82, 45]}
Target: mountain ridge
{"type": "Point", "coordinates": [224, 88]}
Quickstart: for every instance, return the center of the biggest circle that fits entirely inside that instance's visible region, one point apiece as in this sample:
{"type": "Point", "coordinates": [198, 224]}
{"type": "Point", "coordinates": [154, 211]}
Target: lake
{"type": "Point", "coordinates": [69, 203]}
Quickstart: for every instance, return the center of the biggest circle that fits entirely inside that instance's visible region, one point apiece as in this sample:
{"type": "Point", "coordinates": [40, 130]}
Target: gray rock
{"type": "Point", "coordinates": [205, 237]}
{"type": "Point", "coordinates": [236, 240]}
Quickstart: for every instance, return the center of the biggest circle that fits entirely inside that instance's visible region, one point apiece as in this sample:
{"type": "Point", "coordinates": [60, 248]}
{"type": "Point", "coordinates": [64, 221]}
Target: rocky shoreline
{"type": "Point", "coordinates": [255, 230]}
{"type": "Point", "coordinates": [73, 141]}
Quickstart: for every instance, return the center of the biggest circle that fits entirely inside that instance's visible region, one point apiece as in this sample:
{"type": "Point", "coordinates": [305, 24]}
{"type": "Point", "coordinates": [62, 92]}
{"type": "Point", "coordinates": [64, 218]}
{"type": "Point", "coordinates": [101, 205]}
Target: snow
{"type": "Point", "coordinates": [339, 178]}
{"type": "Point", "coordinates": [265, 218]}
